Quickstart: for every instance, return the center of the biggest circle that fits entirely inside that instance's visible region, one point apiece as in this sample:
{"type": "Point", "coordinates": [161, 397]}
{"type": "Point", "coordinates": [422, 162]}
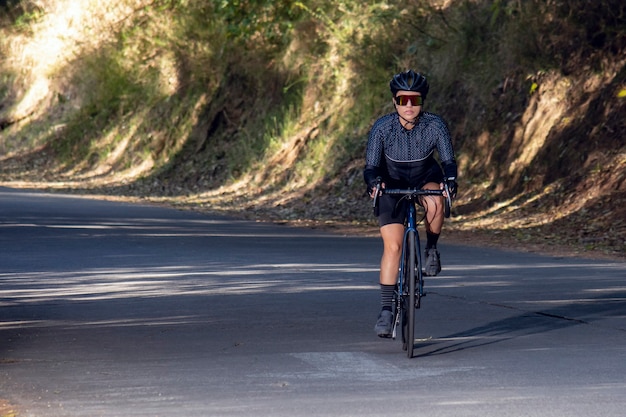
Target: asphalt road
{"type": "Point", "coordinates": [110, 309]}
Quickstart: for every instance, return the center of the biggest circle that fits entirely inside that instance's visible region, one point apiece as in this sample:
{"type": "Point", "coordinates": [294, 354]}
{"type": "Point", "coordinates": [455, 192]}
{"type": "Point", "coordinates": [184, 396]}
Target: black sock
{"type": "Point", "coordinates": [431, 240]}
{"type": "Point", "coordinates": [386, 296]}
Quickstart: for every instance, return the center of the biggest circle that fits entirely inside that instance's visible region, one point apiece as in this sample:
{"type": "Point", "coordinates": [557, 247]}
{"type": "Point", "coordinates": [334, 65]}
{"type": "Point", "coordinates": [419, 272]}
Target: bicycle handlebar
{"type": "Point", "coordinates": [413, 192]}
{"type": "Point", "coordinates": [408, 192]}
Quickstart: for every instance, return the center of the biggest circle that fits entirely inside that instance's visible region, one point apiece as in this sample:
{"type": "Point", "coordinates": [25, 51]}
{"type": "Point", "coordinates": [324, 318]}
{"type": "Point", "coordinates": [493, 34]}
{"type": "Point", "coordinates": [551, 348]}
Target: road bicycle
{"type": "Point", "coordinates": [410, 287]}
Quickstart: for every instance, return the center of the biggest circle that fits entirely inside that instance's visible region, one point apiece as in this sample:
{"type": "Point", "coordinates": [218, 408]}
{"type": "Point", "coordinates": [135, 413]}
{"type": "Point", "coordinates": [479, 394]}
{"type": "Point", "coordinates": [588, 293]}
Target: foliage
{"type": "Point", "coordinates": [254, 20]}
{"type": "Point", "coordinates": [20, 15]}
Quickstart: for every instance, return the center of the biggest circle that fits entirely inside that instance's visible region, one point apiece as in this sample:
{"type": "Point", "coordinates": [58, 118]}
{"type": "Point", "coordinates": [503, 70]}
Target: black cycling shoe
{"type": "Point", "coordinates": [384, 324]}
{"type": "Point", "coordinates": [432, 266]}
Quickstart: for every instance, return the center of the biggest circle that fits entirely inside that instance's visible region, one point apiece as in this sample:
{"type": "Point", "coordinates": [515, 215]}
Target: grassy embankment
{"type": "Point", "coordinates": [265, 106]}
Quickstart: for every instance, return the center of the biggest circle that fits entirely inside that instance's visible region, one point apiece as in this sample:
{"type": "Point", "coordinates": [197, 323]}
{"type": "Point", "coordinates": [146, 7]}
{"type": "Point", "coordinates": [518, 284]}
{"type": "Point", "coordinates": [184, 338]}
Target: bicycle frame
{"type": "Point", "coordinates": [411, 226]}
{"type": "Point", "coordinates": [407, 296]}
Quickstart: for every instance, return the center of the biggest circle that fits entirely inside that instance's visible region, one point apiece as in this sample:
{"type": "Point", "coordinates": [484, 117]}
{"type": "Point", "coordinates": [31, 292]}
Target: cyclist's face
{"type": "Point", "coordinates": [408, 104]}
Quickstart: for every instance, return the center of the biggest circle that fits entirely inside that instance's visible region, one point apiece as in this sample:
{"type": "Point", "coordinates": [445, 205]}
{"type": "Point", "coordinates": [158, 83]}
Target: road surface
{"type": "Point", "coordinates": [111, 309]}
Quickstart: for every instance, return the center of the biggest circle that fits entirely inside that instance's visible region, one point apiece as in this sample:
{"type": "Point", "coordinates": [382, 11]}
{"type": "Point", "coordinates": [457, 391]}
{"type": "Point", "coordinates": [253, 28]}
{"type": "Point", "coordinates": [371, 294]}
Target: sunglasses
{"type": "Point", "coordinates": [404, 100]}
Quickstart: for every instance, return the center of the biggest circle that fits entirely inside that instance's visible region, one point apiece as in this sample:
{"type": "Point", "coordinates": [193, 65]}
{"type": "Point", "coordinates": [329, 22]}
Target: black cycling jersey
{"type": "Point", "coordinates": [405, 158]}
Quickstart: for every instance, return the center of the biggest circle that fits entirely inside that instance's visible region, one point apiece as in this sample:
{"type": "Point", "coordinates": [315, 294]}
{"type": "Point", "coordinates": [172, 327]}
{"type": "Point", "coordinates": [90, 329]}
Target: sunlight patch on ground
{"type": "Point", "coordinates": [66, 27]}
{"type": "Point", "coordinates": [125, 283]}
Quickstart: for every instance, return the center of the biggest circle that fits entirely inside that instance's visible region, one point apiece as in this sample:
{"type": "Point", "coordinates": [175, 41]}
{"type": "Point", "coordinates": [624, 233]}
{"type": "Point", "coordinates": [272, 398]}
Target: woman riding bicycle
{"type": "Point", "coordinates": [400, 151]}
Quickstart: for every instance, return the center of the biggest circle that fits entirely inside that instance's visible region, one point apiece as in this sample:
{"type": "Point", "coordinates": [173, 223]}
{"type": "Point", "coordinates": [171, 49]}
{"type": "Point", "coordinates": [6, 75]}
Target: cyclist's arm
{"type": "Point", "coordinates": [373, 158]}
{"type": "Point", "coordinates": [370, 175]}
{"type": "Point", "coordinates": [446, 151]}
{"type": "Point", "coordinates": [448, 161]}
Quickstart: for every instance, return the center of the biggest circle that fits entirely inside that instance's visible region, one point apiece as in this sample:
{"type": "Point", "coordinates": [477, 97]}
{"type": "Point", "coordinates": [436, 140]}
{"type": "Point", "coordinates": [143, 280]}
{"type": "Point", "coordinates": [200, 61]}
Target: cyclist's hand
{"type": "Point", "coordinates": [452, 187]}
{"type": "Point", "coordinates": [378, 185]}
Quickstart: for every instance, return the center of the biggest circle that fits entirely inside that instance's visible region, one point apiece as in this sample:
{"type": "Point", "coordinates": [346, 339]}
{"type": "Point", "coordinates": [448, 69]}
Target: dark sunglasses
{"type": "Point", "coordinates": [404, 100]}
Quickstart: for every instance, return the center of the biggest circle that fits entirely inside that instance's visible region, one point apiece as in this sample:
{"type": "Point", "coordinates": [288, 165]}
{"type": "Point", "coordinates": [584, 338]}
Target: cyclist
{"type": "Point", "coordinates": [400, 151]}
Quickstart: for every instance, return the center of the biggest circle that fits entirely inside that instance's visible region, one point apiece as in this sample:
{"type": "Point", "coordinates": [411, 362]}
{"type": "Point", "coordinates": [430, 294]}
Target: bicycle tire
{"type": "Point", "coordinates": [403, 292]}
{"type": "Point", "coordinates": [405, 323]}
{"type": "Point", "coordinates": [419, 274]}
{"type": "Point", "coordinates": [411, 280]}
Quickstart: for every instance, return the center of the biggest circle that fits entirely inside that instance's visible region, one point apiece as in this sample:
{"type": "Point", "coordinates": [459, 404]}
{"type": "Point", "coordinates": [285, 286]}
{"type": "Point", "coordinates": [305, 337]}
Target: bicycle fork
{"type": "Point", "coordinates": [400, 293]}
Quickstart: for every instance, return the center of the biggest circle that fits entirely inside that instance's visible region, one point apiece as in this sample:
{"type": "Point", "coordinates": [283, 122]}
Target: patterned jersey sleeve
{"type": "Point", "coordinates": [445, 149]}
{"type": "Point", "coordinates": [375, 144]}
{"type": "Point", "coordinates": [374, 154]}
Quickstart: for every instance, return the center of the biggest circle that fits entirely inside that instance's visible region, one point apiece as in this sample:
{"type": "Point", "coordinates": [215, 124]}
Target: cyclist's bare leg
{"type": "Point", "coordinates": [433, 205]}
{"type": "Point", "coordinates": [392, 235]}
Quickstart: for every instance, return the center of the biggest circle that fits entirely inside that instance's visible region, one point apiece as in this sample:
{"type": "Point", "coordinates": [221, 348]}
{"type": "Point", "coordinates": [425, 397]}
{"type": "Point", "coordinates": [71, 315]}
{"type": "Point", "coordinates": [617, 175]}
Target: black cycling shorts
{"type": "Point", "coordinates": [392, 208]}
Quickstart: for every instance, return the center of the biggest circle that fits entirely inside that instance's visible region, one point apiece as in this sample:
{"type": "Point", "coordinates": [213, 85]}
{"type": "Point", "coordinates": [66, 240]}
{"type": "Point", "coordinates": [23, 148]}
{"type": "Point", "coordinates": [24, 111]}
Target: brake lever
{"type": "Point", "coordinates": [379, 182]}
{"type": "Point", "coordinates": [377, 192]}
{"type": "Point", "coordinates": [448, 197]}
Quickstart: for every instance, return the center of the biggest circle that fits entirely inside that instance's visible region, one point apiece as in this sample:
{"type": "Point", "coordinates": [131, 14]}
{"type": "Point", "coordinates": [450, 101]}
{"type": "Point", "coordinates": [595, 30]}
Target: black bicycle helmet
{"type": "Point", "coordinates": [409, 81]}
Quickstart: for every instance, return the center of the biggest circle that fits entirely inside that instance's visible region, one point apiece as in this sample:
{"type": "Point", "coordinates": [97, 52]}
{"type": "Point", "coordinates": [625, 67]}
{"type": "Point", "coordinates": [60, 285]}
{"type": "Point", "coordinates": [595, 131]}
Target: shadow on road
{"type": "Point", "coordinates": [527, 323]}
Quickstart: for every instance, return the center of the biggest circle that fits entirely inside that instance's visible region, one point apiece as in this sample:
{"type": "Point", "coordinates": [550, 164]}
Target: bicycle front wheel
{"type": "Point", "coordinates": [410, 279]}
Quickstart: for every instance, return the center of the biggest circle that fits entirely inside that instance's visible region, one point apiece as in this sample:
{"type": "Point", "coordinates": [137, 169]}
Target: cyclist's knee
{"type": "Point", "coordinates": [434, 203]}
{"type": "Point", "coordinates": [392, 249]}
{"type": "Point", "coordinates": [392, 246]}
